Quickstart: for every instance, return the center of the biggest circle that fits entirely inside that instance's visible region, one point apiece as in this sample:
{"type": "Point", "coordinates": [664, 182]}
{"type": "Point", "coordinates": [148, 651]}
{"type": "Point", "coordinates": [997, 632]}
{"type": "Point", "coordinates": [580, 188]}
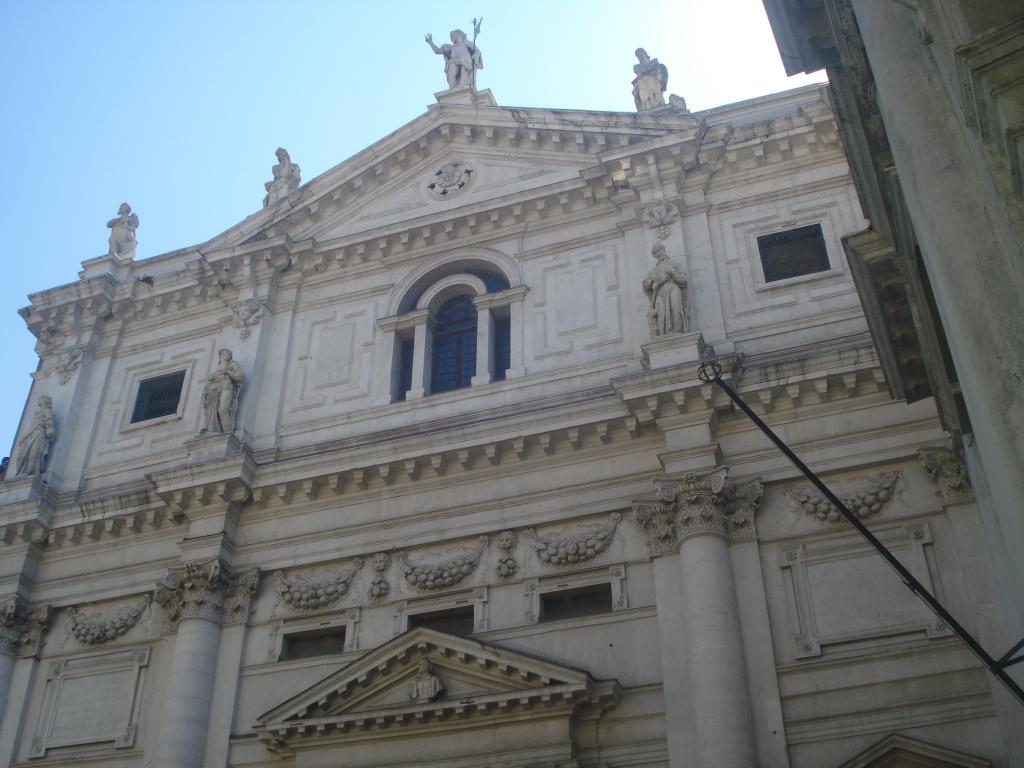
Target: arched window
{"type": "Point", "coordinates": [453, 360]}
{"type": "Point", "coordinates": [458, 325]}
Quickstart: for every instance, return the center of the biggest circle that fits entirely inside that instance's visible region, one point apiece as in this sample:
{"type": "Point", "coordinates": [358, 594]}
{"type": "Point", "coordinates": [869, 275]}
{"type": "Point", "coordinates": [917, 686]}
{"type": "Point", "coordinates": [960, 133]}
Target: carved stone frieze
{"type": "Point", "coordinates": [660, 217]}
{"type": "Point", "coordinates": [22, 626]}
{"type": "Point", "coordinates": [95, 628]}
{"type": "Point", "coordinates": [507, 566]}
{"type": "Point", "coordinates": [695, 505]}
{"type": "Point", "coordinates": [310, 593]}
{"type": "Point", "coordinates": [573, 545]}
{"type": "Point", "coordinates": [864, 496]}
{"type": "Point", "coordinates": [207, 591]}
{"type": "Point", "coordinates": [442, 571]}
{"type": "Point", "coordinates": [379, 586]}
{"type": "Point", "coordinates": [945, 467]}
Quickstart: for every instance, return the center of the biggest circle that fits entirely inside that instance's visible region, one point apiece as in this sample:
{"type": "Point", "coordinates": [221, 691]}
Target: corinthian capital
{"type": "Point", "coordinates": [698, 504]}
{"type": "Point", "coordinates": [22, 626]}
{"type": "Point", "coordinates": [944, 466]}
{"type": "Point", "coordinates": [196, 590]}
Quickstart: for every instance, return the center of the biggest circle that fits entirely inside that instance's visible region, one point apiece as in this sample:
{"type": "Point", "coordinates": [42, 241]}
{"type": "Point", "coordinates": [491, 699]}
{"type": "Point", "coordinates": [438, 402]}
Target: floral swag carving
{"type": "Point", "coordinates": [94, 629]}
{"type": "Point", "coordinates": [864, 496]}
{"type": "Point", "coordinates": [573, 545]}
{"type": "Point", "coordinates": [207, 591]}
{"type": "Point", "coordinates": [695, 505]}
{"type": "Point", "coordinates": [441, 571]}
{"type": "Point", "coordinates": [310, 593]}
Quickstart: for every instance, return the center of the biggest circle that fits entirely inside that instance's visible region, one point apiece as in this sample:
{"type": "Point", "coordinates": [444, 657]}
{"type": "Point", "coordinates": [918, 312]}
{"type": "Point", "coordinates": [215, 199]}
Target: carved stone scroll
{"type": "Point", "coordinates": [442, 571]}
{"type": "Point", "coordinates": [95, 628]}
{"type": "Point", "coordinates": [864, 496]}
{"type": "Point", "coordinates": [573, 545]}
{"type": "Point", "coordinates": [311, 593]}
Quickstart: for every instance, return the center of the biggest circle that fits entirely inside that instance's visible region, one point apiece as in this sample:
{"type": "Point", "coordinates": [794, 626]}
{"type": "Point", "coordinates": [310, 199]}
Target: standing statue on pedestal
{"type": "Point", "coordinates": [122, 233]}
{"type": "Point", "coordinates": [34, 447]}
{"type": "Point", "coordinates": [650, 82]}
{"type": "Point", "coordinates": [287, 177]}
{"type": "Point", "coordinates": [461, 58]}
{"type": "Point", "coordinates": [220, 396]}
{"type": "Point", "coordinates": [665, 286]}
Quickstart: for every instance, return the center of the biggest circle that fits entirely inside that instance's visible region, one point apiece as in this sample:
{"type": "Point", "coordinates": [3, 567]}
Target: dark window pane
{"type": "Point", "coordinates": [570, 603]}
{"type": "Point", "coordinates": [502, 346]}
{"type": "Point", "coordinates": [454, 621]}
{"type": "Point", "coordinates": [319, 642]}
{"type": "Point", "coordinates": [793, 253]}
{"type": "Point", "coordinates": [405, 372]}
{"type": "Point", "coordinates": [453, 362]}
{"type": "Point", "coordinates": [493, 283]}
{"type": "Point", "coordinates": [158, 397]}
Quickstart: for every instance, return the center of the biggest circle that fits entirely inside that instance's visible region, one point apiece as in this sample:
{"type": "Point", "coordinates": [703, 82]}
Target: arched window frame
{"type": "Point", "coordinates": [416, 325]}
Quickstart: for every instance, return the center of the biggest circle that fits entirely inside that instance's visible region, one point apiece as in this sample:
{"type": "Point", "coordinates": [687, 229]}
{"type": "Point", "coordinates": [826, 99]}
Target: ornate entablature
{"type": "Point", "coordinates": [698, 504]}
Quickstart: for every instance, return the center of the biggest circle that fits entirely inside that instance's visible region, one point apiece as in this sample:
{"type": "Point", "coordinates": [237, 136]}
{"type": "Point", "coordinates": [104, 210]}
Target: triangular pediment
{"type": "Point", "coordinates": [898, 751]}
{"type": "Point", "coordinates": [425, 676]}
{"type": "Point", "coordinates": [508, 151]}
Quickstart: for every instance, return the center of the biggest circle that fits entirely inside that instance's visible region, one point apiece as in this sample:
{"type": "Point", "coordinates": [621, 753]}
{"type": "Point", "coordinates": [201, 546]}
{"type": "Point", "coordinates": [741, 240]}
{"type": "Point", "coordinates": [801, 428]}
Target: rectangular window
{"type": "Point", "coordinates": [454, 621]}
{"type": "Point", "coordinates": [316, 642]}
{"type": "Point", "coordinates": [158, 397]}
{"type": "Point", "coordinates": [793, 253]}
{"type": "Point", "coordinates": [572, 603]}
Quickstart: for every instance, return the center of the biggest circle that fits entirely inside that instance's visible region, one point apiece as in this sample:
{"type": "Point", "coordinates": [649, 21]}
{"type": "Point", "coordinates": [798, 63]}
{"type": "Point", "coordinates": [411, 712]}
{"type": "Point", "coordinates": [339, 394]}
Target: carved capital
{"type": "Point", "coordinates": [206, 591]}
{"type": "Point", "coordinates": [945, 467]}
{"type": "Point", "coordinates": [698, 505]}
{"type": "Point", "coordinates": [22, 627]}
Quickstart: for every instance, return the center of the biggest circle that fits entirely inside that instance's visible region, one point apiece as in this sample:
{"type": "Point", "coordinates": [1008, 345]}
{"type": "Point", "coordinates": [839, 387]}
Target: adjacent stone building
{"type": "Point", "coordinates": [413, 467]}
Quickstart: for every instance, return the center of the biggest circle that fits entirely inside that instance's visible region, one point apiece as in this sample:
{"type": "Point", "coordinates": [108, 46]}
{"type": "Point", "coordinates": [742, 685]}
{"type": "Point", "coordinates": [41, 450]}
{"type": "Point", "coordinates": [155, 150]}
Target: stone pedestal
{"type": "Point", "coordinates": [465, 95]}
{"type": "Point", "coordinates": [679, 349]}
{"type": "Point", "coordinates": [213, 447]}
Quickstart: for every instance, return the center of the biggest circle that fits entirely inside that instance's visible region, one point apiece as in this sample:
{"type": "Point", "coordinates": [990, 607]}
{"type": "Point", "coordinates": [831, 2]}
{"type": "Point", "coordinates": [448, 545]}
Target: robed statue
{"type": "Point", "coordinates": [287, 177]}
{"type": "Point", "coordinates": [122, 232]}
{"type": "Point", "coordinates": [665, 286]}
{"type": "Point", "coordinates": [650, 82]}
{"type": "Point", "coordinates": [220, 395]}
{"type": "Point", "coordinates": [462, 58]}
{"type": "Point", "coordinates": [34, 447]}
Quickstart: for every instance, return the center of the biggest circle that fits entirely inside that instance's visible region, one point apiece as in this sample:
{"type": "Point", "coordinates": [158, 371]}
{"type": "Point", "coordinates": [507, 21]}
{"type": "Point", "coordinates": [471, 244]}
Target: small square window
{"type": "Point", "coordinates": [793, 253]}
{"type": "Point", "coordinates": [317, 642]}
{"type": "Point", "coordinates": [573, 603]}
{"type": "Point", "coordinates": [453, 621]}
{"type": "Point", "coordinates": [158, 397]}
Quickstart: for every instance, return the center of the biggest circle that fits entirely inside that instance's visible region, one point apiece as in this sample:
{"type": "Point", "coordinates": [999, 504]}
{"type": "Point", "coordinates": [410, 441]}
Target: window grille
{"type": "Point", "coordinates": [158, 397]}
{"type": "Point", "coordinates": [793, 253]}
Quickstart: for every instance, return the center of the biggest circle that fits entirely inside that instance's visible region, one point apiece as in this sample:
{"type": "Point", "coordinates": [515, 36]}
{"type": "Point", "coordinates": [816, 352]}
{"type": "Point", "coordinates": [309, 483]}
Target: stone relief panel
{"type": "Point", "coordinates": [507, 566]}
{"type": "Point", "coordinates": [318, 590]}
{"type": "Point", "coordinates": [70, 360]}
{"type": "Point", "coordinates": [569, 546]}
{"type": "Point", "coordinates": [95, 627]}
{"type": "Point", "coordinates": [450, 179]}
{"type": "Point", "coordinates": [864, 496]}
{"type": "Point", "coordinates": [837, 590]}
{"type": "Point", "coordinates": [334, 358]}
{"type": "Point", "coordinates": [379, 586]}
{"type": "Point", "coordinates": [577, 301]}
{"type": "Point", "coordinates": [92, 699]}
{"type": "Point", "coordinates": [442, 570]}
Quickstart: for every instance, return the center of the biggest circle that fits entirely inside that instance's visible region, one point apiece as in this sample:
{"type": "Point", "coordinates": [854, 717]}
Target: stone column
{"type": "Point", "coordinates": [696, 514]}
{"type": "Point", "coordinates": [484, 344]}
{"type": "Point", "coordinates": [193, 597]}
{"type": "Point", "coordinates": [422, 354]}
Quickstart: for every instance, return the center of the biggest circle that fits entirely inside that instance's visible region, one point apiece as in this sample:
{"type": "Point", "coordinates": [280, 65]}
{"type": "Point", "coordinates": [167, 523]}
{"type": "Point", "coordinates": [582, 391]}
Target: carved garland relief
{"type": "Point", "coordinates": [442, 570]}
{"type": "Point", "coordinates": [94, 629]}
{"type": "Point", "coordinates": [864, 496]}
{"type": "Point", "coordinates": [573, 545]}
{"type": "Point", "coordinates": [310, 593]}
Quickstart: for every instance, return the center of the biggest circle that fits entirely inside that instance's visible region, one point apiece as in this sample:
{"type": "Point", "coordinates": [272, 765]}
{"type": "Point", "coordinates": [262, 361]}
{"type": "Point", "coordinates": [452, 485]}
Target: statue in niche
{"type": "Point", "coordinates": [425, 686]}
{"type": "Point", "coordinates": [461, 58]}
{"type": "Point", "coordinates": [665, 286]}
{"type": "Point", "coordinates": [34, 447]}
{"type": "Point", "coordinates": [122, 233]}
{"type": "Point", "coordinates": [650, 82]}
{"type": "Point", "coordinates": [220, 395]}
{"type": "Point", "coordinates": [287, 177]}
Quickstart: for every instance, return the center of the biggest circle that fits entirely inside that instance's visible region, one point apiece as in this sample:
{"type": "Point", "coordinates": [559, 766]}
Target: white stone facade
{"type": "Point", "coordinates": [161, 583]}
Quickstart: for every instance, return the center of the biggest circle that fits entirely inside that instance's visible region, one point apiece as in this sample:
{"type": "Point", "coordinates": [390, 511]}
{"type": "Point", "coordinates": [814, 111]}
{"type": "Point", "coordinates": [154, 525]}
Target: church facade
{"type": "Point", "coordinates": [414, 467]}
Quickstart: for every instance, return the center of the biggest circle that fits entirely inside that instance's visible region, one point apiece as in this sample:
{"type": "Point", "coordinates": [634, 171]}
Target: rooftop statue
{"type": "Point", "coordinates": [122, 232]}
{"type": "Point", "coordinates": [287, 177]}
{"type": "Point", "coordinates": [461, 58]}
{"type": "Point", "coordinates": [650, 82]}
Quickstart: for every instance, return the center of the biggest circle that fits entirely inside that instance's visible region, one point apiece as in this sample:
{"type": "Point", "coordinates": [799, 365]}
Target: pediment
{"type": "Point", "coordinates": [428, 677]}
{"type": "Point", "coordinates": [897, 751]}
{"type": "Point", "coordinates": [511, 152]}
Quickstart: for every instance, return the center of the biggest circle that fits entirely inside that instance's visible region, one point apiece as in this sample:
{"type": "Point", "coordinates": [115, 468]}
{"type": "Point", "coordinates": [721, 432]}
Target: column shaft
{"type": "Point", "coordinates": [484, 347]}
{"type": "Point", "coordinates": [421, 359]}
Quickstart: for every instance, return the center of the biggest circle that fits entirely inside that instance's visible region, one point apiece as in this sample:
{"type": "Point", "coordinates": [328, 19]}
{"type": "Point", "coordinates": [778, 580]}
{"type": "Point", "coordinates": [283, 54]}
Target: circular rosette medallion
{"type": "Point", "coordinates": [449, 180]}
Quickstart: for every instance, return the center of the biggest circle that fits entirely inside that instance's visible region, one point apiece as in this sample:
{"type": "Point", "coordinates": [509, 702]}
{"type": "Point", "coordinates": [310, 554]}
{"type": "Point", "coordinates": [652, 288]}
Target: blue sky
{"type": "Point", "coordinates": [177, 106]}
